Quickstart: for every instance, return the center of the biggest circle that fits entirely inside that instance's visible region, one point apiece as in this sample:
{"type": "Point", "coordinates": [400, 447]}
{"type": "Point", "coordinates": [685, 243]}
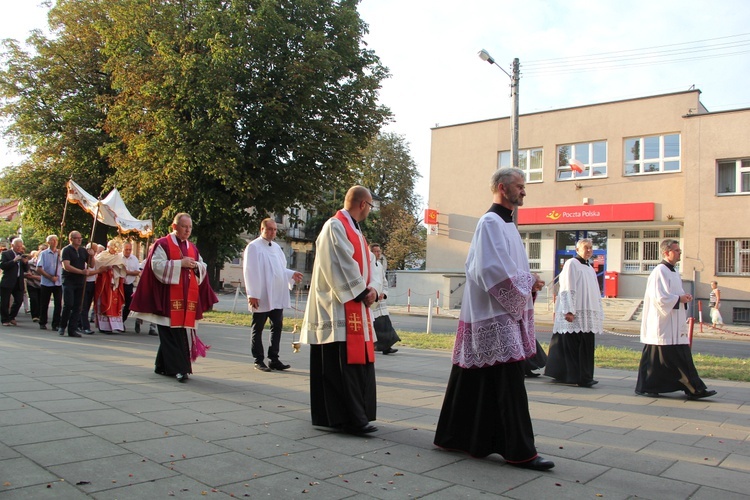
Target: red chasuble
{"type": "Point", "coordinates": [356, 322]}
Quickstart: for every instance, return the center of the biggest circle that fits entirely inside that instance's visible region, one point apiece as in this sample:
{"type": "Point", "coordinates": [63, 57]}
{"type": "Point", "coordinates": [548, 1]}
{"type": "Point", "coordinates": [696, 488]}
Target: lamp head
{"type": "Point", "coordinates": [485, 56]}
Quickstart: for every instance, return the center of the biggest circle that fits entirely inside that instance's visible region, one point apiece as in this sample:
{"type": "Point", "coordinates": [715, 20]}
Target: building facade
{"type": "Point", "coordinates": [626, 174]}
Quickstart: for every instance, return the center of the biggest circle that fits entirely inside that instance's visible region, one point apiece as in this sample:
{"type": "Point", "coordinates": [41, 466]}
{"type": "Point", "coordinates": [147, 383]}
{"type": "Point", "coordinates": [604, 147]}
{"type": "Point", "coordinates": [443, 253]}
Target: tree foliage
{"type": "Point", "coordinates": [387, 169]}
{"type": "Point", "coordinates": [203, 106]}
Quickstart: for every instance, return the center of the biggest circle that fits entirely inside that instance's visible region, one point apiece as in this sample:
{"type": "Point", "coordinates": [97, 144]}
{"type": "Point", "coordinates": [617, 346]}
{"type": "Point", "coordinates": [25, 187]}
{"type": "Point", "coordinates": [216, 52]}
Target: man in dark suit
{"type": "Point", "coordinates": [14, 266]}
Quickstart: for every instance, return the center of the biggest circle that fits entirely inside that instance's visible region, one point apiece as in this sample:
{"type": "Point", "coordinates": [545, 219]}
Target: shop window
{"type": "Point", "coordinates": [641, 252]}
{"type": "Point", "coordinates": [733, 257]}
{"type": "Point", "coordinates": [652, 155]}
{"type": "Point", "coordinates": [733, 177]}
{"type": "Point", "coordinates": [529, 160]}
{"type": "Point", "coordinates": [532, 242]}
{"type": "Point", "coordinates": [293, 260]}
{"type": "Point", "coordinates": [591, 155]}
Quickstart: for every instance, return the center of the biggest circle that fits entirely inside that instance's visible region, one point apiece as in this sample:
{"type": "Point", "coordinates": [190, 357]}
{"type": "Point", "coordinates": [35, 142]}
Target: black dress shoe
{"type": "Point", "coordinates": [74, 334]}
{"type": "Point", "coordinates": [61, 332]}
{"type": "Point", "coordinates": [390, 351]}
{"type": "Point", "coordinates": [701, 394]}
{"type": "Point", "coordinates": [42, 327]}
{"type": "Point", "coordinates": [532, 374]}
{"type": "Point", "coordinates": [181, 378]}
{"type": "Point", "coordinates": [278, 365]}
{"type": "Point", "coordinates": [648, 394]}
{"type": "Point", "coordinates": [358, 431]}
{"type": "Point", "coordinates": [262, 367]}
{"type": "Point", "coordinates": [538, 463]}
{"type": "Point", "coordinates": [588, 383]}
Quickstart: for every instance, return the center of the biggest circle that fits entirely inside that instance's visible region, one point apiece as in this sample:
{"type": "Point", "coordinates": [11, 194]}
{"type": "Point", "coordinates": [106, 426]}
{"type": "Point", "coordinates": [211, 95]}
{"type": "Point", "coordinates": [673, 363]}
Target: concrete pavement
{"type": "Point", "coordinates": [88, 418]}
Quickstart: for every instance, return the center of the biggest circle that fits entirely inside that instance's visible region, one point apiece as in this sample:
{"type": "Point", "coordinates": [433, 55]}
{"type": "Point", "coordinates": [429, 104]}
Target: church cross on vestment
{"type": "Point", "coordinates": [355, 323]}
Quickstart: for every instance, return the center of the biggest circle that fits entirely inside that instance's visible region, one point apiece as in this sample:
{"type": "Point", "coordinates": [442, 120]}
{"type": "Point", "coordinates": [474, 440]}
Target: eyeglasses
{"type": "Point", "coordinates": [371, 205]}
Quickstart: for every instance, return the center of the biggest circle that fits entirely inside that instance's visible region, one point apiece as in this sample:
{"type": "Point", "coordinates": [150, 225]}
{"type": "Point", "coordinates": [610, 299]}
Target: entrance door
{"type": "Point", "coordinates": [565, 248]}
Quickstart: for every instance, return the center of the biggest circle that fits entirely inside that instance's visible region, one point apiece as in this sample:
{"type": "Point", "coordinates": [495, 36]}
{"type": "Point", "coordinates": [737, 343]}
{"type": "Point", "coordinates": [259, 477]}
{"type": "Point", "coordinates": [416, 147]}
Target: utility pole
{"type": "Point", "coordinates": [514, 80]}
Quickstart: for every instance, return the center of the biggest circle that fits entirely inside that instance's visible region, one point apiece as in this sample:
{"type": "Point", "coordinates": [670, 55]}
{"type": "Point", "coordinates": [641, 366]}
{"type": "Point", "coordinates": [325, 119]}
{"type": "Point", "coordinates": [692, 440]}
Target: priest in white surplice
{"type": "Point", "coordinates": [667, 362]}
{"type": "Point", "coordinates": [486, 409]}
{"type": "Point", "coordinates": [338, 325]}
{"type": "Point", "coordinates": [578, 317]}
{"type": "Point", "coordinates": [267, 283]}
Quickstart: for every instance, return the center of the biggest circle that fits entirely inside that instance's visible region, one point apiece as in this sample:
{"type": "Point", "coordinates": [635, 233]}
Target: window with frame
{"type": "Point", "coordinates": [592, 155]}
{"type": "Point", "coordinates": [733, 257]}
{"type": "Point", "coordinates": [532, 242]}
{"type": "Point", "coordinates": [652, 154]}
{"type": "Point", "coordinates": [529, 160]}
{"type": "Point", "coordinates": [733, 177]}
{"type": "Point", "coordinates": [641, 252]}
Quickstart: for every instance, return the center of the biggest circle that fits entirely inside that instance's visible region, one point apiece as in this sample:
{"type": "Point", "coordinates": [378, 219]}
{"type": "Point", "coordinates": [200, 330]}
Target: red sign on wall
{"type": "Point", "coordinates": [623, 212]}
{"type": "Point", "coordinates": [430, 216]}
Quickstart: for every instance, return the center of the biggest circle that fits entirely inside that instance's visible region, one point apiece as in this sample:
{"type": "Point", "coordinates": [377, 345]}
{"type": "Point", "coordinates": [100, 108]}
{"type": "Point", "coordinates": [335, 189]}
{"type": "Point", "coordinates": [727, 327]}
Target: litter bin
{"type": "Point", "coordinates": [611, 279]}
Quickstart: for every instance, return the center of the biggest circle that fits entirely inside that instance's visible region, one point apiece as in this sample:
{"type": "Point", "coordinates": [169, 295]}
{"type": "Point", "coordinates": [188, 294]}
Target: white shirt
{"type": "Point", "coordinates": [131, 264]}
{"type": "Point", "coordinates": [266, 276]}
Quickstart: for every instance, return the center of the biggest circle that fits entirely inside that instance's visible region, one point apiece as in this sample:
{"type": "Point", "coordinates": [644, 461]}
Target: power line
{"type": "Point", "coordinates": [647, 56]}
{"type": "Point", "coordinates": [557, 60]}
{"type": "Point", "coordinates": [622, 65]}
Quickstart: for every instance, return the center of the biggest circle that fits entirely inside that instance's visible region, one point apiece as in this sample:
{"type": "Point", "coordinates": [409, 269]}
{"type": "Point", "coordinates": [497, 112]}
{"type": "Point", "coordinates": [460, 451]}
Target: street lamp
{"type": "Point", "coordinates": [514, 77]}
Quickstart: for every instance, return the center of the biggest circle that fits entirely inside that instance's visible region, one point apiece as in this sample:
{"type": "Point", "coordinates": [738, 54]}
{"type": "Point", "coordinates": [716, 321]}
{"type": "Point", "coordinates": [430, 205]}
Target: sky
{"type": "Point", "coordinates": [431, 46]}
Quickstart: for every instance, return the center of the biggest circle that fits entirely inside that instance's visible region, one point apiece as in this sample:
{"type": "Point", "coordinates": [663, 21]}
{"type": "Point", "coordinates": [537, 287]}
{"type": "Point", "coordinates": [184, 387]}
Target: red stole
{"type": "Point", "coordinates": [356, 322]}
{"type": "Point", "coordinates": [183, 297]}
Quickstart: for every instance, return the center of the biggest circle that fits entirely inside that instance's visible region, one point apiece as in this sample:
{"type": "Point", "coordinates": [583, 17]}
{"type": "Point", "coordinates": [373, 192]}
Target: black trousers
{"type": "Point", "coordinates": [8, 311]}
{"type": "Point", "coordinates": [259, 322]}
{"type": "Point", "coordinates": [45, 292]}
{"type": "Point", "coordinates": [88, 298]}
{"type": "Point", "coordinates": [128, 289]}
{"type": "Point", "coordinates": [72, 300]}
{"type": "Point", "coordinates": [33, 293]}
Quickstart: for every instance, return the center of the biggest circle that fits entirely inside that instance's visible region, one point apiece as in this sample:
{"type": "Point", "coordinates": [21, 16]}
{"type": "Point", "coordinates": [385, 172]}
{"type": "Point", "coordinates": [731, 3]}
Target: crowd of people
{"type": "Point", "coordinates": [485, 409]}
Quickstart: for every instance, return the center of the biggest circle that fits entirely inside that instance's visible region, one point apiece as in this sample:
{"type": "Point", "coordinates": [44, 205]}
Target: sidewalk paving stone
{"type": "Point", "coordinates": [92, 411]}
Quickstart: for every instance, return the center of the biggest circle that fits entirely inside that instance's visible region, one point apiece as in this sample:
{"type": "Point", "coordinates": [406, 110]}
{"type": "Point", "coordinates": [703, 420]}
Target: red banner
{"type": "Point", "coordinates": [623, 212]}
{"type": "Point", "coordinates": [430, 216]}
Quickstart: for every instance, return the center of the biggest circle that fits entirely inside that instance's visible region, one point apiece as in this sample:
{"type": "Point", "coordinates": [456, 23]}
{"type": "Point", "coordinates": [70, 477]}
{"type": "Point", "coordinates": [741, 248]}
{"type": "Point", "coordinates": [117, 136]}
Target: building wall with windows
{"type": "Point", "coordinates": [626, 174]}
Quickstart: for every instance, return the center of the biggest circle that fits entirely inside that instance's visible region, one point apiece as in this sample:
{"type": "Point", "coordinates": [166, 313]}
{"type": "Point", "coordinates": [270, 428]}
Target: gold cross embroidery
{"type": "Point", "coordinates": [355, 323]}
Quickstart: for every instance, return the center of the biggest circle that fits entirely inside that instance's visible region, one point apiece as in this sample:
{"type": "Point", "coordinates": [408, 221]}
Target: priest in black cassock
{"type": "Point", "coordinates": [486, 409]}
{"type": "Point", "coordinates": [338, 324]}
{"type": "Point", "coordinates": [667, 362]}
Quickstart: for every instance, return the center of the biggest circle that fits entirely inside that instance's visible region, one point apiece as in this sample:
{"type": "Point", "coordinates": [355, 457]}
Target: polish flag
{"type": "Point", "coordinates": [576, 166]}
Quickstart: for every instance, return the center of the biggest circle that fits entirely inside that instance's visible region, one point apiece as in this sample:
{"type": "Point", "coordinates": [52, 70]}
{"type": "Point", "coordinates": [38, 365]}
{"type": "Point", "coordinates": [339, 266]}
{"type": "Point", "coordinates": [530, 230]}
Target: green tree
{"type": "Point", "coordinates": [52, 98]}
{"type": "Point", "coordinates": [203, 106]}
{"type": "Point", "coordinates": [387, 169]}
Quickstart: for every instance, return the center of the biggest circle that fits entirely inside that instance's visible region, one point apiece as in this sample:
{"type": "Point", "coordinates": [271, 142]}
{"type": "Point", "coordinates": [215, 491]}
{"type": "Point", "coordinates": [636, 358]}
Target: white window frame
{"type": "Point", "coordinates": [532, 243]}
{"type": "Point", "coordinates": [640, 242]}
{"type": "Point", "coordinates": [591, 169]}
{"type": "Point", "coordinates": [525, 157]}
{"type": "Point", "coordinates": [659, 161]}
{"type": "Point", "coordinates": [740, 255]}
{"type": "Point", "coordinates": [741, 170]}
